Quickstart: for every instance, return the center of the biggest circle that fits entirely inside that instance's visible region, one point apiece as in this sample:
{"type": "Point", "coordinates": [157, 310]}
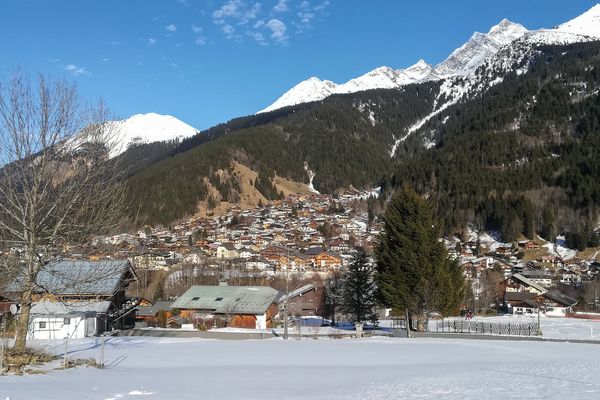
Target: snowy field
{"type": "Point", "coordinates": [379, 368]}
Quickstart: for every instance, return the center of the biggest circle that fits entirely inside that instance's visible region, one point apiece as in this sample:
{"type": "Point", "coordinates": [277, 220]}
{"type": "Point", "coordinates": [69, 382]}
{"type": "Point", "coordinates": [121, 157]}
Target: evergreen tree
{"type": "Point", "coordinates": [414, 272]}
{"type": "Point", "coordinates": [359, 297]}
{"type": "Point", "coordinates": [159, 294]}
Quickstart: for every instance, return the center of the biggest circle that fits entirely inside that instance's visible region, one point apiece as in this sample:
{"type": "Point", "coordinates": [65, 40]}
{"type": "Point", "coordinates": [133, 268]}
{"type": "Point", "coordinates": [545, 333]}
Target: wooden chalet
{"type": "Point", "coordinates": [250, 307]}
{"type": "Point", "coordinates": [76, 299]}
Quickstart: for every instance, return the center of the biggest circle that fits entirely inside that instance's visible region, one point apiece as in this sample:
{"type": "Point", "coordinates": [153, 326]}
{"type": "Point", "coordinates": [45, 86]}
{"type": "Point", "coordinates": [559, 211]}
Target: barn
{"type": "Point", "coordinates": [250, 307]}
{"type": "Point", "coordinates": [76, 299]}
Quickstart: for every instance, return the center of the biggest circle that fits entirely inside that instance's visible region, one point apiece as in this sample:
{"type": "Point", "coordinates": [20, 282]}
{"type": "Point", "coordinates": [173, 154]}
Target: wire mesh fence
{"type": "Point", "coordinates": [489, 328]}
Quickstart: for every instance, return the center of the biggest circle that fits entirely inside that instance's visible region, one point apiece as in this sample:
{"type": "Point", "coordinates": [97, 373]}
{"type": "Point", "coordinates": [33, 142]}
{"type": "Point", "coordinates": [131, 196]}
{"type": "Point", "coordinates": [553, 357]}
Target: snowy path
{"type": "Point", "coordinates": [322, 369]}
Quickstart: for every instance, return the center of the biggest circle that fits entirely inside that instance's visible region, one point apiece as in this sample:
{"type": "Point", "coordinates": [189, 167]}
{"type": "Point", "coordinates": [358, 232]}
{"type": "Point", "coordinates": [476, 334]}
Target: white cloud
{"type": "Point", "coordinates": [259, 23]}
{"type": "Point", "coordinates": [258, 37]}
{"type": "Point", "coordinates": [197, 29]}
{"type": "Point", "coordinates": [151, 42]}
{"type": "Point", "coordinates": [201, 40]}
{"type": "Point", "coordinates": [76, 70]}
{"type": "Point", "coordinates": [228, 10]}
{"type": "Point", "coordinates": [171, 28]}
{"type": "Point", "coordinates": [306, 17]}
{"type": "Point", "coordinates": [278, 30]}
{"type": "Point", "coordinates": [236, 12]}
{"type": "Point", "coordinates": [105, 59]}
{"type": "Point", "coordinates": [281, 6]}
{"type": "Point", "coordinates": [307, 13]}
{"type": "Point", "coordinates": [229, 31]}
{"type": "Point", "coordinates": [252, 13]}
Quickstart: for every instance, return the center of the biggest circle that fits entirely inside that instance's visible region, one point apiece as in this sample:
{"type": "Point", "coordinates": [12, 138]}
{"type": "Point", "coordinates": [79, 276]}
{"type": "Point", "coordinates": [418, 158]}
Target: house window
{"type": "Point", "coordinates": [67, 321]}
{"type": "Point", "coordinates": [42, 325]}
{"type": "Point", "coordinates": [218, 299]}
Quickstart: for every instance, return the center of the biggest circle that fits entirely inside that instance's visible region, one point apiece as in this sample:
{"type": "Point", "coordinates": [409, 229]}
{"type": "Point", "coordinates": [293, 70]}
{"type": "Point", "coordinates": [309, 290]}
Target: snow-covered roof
{"type": "Point", "coordinates": [228, 299]}
{"type": "Point", "coordinates": [69, 308]}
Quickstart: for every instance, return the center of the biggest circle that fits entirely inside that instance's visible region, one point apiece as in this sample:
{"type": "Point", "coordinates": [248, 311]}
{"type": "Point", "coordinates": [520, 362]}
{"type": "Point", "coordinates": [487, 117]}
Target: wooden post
{"type": "Point", "coordinates": [407, 323]}
{"type": "Point", "coordinates": [66, 350]}
{"type": "Point", "coordinates": [102, 352]}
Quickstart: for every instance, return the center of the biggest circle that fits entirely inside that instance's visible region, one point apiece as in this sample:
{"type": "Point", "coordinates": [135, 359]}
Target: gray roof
{"type": "Point", "coordinates": [150, 311]}
{"type": "Point", "coordinates": [519, 296]}
{"type": "Point", "coordinates": [69, 308]}
{"type": "Point", "coordinates": [314, 251]}
{"type": "Point", "coordinates": [530, 283]}
{"type": "Point", "coordinates": [560, 298]}
{"type": "Point", "coordinates": [228, 299]}
{"type": "Point", "coordinates": [298, 292]}
{"type": "Point", "coordinates": [103, 277]}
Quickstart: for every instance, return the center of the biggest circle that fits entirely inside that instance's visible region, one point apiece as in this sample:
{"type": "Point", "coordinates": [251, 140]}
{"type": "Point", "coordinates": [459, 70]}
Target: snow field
{"type": "Point", "coordinates": [378, 368]}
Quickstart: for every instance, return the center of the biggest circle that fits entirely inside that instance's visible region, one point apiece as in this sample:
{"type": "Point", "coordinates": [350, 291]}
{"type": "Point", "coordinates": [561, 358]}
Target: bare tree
{"type": "Point", "coordinates": [58, 181]}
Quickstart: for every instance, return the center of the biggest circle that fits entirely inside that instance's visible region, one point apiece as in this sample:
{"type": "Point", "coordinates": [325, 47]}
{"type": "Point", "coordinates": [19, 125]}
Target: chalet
{"type": "Point", "coordinates": [569, 277]}
{"type": "Point", "coordinates": [339, 245]}
{"type": "Point", "coordinates": [504, 251]}
{"type": "Point", "coordinates": [147, 315]}
{"type": "Point", "coordinates": [530, 245]}
{"type": "Point", "coordinates": [542, 278]}
{"type": "Point", "coordinates": [76, 299]}
{"type": "Point", "coordinates": [521, 303]}
{"type": "Point", "coordinates": [549, 260]}
{"type": "Point", "coordinates": [556, 304]}
{"type": "Point", "coordinates": [227, 250]}
{"type": "Point", "coordinates": [327, 260]}
{"type": "Point", "coordinates": [518, 283]}
{"type": "Point", "coordinates": [250, 307]}
{"type": "Point", "coordinates": [308, 300]}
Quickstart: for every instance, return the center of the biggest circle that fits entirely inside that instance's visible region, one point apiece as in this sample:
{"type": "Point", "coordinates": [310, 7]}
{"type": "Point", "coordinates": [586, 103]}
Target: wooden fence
{"type": "Point", "coordinates": [490, 328]}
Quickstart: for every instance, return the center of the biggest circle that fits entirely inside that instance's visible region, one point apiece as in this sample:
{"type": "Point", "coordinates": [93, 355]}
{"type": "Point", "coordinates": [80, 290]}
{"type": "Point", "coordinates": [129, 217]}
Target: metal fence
{"type": "Point", "coordinates": [490, 328]}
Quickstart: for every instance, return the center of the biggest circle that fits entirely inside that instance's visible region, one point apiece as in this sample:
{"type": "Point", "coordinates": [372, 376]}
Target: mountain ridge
{"type": "Point", "coordinates": [463, 61]}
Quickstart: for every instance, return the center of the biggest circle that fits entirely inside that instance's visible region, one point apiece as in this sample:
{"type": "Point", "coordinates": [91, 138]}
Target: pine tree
{"type": "Point", "coordinates": [414, 272]}
{"type": "Point", "coordinates": [359, 293]}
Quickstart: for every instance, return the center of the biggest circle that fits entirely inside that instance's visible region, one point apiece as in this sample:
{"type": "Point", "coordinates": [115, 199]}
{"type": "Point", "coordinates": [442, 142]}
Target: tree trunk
{"type": "Point", "coordinates": [23, 322]}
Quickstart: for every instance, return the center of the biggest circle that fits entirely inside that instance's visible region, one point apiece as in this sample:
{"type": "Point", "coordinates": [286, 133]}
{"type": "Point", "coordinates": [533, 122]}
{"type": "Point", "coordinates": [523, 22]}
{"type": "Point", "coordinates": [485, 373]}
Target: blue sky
{"type": "Point", "coordinates": [208, 61]}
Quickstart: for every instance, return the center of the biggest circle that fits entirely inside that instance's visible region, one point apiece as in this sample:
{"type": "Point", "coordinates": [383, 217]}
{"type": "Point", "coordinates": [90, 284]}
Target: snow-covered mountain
{"type": "Point", "coordinates": [462, 62]}
{"type": "Point", "coordinates": [315, 89]}
{"type": "Point", "coordinates": [479, 48]}
{"type": "Point", "coordinates": [587, 24]}
{"type": "Point", "coordinates": [148, 128]}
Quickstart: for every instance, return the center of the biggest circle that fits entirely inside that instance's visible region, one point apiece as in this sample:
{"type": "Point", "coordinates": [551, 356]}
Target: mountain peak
{"type": "Point", "coordinates": [587, 24]}
{"type": "Point", "coordinates": [148, 128]}
{"type": "Point", "coordinates": [311, 89]}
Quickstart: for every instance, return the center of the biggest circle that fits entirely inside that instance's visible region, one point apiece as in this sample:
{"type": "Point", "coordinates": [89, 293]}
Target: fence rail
{"type": "Point", "coordinates": [490, 328]}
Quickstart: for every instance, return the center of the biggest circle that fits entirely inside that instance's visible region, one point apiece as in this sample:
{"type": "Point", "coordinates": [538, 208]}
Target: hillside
{"type": "Point", "coordinates": [340, 140]}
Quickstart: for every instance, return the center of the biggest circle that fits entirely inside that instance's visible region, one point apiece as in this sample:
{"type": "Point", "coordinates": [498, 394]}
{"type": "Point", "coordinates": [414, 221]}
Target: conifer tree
{"type": "Point", "coordinates": [359, 293]}
{"type": "Point", "coordinates": [413, 271]}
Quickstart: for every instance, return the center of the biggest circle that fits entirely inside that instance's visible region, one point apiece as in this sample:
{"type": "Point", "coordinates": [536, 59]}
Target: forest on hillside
{"type": "Point", "coordinates": [522, 158]}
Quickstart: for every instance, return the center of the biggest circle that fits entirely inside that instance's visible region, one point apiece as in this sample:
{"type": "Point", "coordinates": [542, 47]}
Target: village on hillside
{"type": "Point", "coordinates": [242, 269]}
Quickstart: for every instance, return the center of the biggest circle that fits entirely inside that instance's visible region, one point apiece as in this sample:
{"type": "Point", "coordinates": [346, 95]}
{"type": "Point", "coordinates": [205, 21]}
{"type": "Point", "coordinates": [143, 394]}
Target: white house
{"type": "Point", "coordinates": [75, 320]}
{"type": "Point", "coordinates": [80, 298]}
